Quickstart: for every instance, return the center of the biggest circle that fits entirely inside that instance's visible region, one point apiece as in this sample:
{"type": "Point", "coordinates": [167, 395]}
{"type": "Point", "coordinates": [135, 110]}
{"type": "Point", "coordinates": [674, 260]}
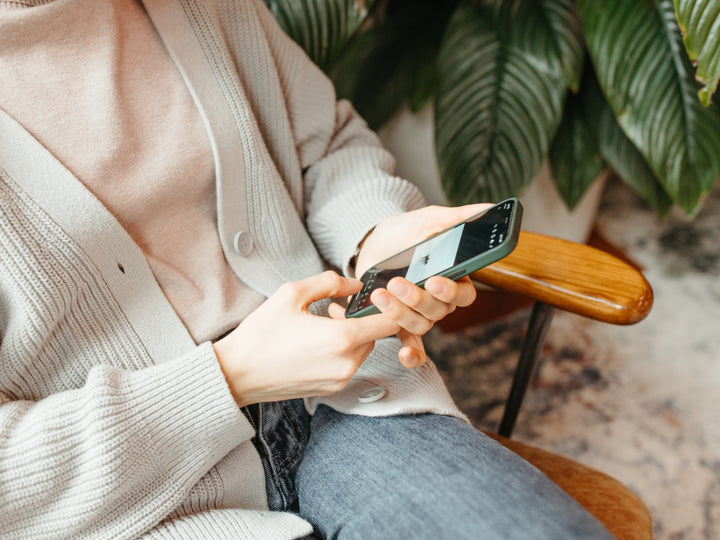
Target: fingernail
{"type": "Point", "coordinates": [411, 359]}
{"type": "Point", "coordinates": [381, 299]}
{"type": "Point", "coordinates": [399, 289]}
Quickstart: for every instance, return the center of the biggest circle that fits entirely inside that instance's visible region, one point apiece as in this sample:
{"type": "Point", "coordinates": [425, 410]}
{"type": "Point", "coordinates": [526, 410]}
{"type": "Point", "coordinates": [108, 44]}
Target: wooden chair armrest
{"type": "Point", "coordinates": [573, 277]}
{"type": "Point", "coordinates": [612, 503]}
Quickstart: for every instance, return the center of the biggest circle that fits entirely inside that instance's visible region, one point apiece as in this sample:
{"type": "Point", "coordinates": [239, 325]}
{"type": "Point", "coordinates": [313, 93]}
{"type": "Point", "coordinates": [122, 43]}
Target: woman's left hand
{"type": "Point", "coordinates": [413, 308]}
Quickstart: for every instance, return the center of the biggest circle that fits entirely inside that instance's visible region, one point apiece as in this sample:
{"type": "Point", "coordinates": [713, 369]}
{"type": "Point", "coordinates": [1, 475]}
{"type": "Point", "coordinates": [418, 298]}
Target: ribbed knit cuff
{"type": "Point", "coordinates": [186, 408]}
{"type": "Point", "coordinates": [340, 224]}
{"type": "Point", "coordinates": [350, 236]}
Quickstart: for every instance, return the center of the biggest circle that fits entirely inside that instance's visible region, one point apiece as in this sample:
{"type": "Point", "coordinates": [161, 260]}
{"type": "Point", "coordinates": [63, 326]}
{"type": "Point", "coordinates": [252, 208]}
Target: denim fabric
{"type": "Point", "coordinates": [427, 477]}
{"type": "Point", "coordinates": [282, 430]}
{"type": "Point", "coordinates": [420, 476]}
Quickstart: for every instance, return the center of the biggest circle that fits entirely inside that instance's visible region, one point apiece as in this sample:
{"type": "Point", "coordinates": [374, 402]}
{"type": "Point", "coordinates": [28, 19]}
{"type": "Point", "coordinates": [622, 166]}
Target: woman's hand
{"type": "Point", "coordinates": [282, 351]}
{"type": "Point", "coordinates": [413, 308]}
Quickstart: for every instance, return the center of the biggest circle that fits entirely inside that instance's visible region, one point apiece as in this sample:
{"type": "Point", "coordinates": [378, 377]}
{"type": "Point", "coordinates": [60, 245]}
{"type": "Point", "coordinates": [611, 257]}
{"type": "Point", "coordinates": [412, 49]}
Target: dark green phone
{"type": "Point", "coordinates": [453, 253]}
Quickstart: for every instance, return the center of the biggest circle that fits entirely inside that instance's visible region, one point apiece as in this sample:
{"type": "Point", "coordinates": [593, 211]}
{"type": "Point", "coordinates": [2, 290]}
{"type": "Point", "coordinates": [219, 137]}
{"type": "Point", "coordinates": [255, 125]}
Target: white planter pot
{"type": "Point", "coordinates": [410, 137]}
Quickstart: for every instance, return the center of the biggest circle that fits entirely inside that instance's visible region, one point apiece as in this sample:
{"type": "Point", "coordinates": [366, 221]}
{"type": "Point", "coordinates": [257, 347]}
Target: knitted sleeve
{"type": "Point", "coordinates": [116, 456]}
{"type": "Point", "coordinates": [95, 439]}
{"type": "Point", "coordinates": [349, 182]}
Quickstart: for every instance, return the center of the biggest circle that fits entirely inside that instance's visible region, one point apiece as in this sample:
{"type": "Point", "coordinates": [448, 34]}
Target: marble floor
{"type": "Point", "coordinates": [639, 403]}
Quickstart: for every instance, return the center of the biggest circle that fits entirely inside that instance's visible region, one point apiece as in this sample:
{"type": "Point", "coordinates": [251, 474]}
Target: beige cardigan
{"type": "Point", "coordinates": [113, 422]}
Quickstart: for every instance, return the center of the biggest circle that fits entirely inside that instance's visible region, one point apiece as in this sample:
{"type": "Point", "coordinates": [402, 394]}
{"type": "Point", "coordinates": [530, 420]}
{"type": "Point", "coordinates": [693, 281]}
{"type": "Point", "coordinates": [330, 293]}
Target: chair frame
{"type": "Point", "coordinates": [559, 274]}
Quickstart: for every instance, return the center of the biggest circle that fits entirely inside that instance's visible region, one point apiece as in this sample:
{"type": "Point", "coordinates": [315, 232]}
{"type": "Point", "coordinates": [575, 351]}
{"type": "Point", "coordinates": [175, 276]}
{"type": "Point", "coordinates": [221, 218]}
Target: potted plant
{"type": "Point", "coordinates": [583, 84]}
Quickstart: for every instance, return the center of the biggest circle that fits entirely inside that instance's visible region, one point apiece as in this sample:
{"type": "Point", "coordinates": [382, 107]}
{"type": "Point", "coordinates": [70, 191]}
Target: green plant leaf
{"type": "Point", "coordinates": [499, 102]}
{"type": "Point", "coordinates": [424, 85]}
{"type": "Point", "coordinates": [617, 150]}
{"type": "Point", "coordinates": [549, 30]}
{"type": "Point", "coordinates": [321, 27]}
{"type": "Point", "coordinates": [647, 78]}
{"type": "Point", "coordinates": [700, 25]}
{"type": "Point", "coordinates": [574, 154]}
{"type": "Point", "coordinates": [392, 61]}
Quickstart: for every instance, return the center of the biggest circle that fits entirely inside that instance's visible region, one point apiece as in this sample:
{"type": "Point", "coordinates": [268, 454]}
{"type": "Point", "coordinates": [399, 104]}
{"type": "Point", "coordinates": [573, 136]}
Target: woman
{"type": "Point", "coordinates": [176, 177]}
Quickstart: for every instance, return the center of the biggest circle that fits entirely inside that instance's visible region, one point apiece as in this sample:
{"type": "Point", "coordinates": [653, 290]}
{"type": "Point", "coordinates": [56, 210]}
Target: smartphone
{"type": "Point", "coordinates": [453, 253]}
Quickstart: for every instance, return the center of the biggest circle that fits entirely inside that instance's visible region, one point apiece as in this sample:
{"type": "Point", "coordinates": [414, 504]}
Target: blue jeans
{"type": "Point", "coordinates": [418, 476]}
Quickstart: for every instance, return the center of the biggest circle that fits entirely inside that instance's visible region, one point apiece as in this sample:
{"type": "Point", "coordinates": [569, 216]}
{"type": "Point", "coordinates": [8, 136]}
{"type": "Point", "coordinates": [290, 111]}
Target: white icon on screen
{"type": "Point", "coordinates": [435, 255]}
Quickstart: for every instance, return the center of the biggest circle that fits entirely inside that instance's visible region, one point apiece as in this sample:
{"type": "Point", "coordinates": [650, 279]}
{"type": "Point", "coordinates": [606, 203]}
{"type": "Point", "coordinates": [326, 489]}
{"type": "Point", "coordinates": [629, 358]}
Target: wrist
{"type": "Point", "coordinates": [225, 353]}
{"type": "Point", "coordinates": [356, 255]}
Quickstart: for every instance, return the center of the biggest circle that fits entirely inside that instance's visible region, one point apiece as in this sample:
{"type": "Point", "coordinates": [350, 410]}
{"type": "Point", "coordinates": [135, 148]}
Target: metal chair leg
{"type": "Point", "coordinates": [540, 320]}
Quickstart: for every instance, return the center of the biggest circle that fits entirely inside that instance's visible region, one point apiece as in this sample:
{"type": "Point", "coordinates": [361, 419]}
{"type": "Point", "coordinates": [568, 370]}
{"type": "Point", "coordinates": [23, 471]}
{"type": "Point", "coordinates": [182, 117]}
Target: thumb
{"type": "Point", "coordinates": [447, 216]}
{"type": "Point", "coordinates": [469, 210]}
{"type": "Point", "coordinates": [325, 285]}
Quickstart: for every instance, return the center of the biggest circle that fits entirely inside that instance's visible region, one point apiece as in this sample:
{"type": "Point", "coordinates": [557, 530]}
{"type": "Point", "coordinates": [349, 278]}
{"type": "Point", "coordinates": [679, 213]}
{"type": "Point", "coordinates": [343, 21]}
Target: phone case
{"type": "Point", "coordinates": [471, 265]}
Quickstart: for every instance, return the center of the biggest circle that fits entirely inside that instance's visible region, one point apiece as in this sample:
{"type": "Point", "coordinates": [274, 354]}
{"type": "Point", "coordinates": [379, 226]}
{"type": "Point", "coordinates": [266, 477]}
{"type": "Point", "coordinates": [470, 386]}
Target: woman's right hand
{"type": "Point", "coordinates": [282, 351]}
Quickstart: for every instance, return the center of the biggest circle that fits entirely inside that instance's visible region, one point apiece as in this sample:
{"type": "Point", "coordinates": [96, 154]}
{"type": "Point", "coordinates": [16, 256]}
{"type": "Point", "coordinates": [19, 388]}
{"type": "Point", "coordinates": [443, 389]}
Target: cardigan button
{"type": "Point", "coordinates": [372, 394]}
{"type": "Point", "coordinates": [243, 243]}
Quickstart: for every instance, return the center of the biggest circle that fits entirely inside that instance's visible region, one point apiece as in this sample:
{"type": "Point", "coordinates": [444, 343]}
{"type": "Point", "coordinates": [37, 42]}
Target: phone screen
{"type": "Point", "coordinates": [444, 251]}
